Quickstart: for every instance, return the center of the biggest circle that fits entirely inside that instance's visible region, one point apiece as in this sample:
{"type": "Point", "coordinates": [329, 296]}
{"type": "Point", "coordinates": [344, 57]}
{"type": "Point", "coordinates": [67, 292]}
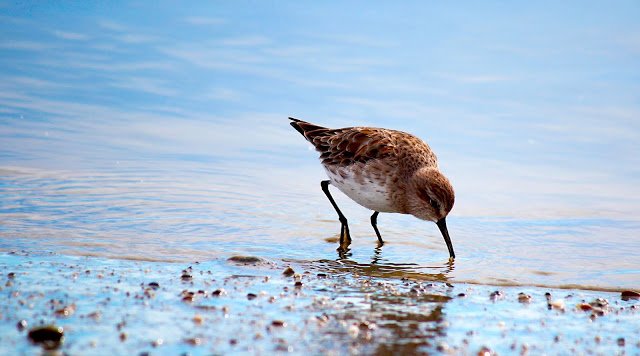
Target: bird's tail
{"type": "Point", "coordinates": [304, 127]}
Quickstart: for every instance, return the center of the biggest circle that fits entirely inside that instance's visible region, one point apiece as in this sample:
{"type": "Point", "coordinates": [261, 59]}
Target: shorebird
{"type": "Point", "coordinates": [383, 170]}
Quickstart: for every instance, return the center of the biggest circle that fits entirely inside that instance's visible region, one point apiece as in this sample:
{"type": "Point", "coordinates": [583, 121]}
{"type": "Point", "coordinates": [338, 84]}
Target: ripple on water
{"type": "Point", "coordinates": [190, 217]}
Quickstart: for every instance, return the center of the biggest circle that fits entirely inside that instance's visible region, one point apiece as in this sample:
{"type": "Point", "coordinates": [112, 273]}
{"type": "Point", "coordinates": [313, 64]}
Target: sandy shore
{"type": "Point", "coordinates": [248, 305]}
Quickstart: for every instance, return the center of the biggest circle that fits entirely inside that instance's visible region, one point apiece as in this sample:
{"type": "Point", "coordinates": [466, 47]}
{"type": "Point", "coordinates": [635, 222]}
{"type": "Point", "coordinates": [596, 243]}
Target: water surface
{"type": "Point", "coordinates": [161, 134]}
{"type": "Point", "coordinates": [224, 307]}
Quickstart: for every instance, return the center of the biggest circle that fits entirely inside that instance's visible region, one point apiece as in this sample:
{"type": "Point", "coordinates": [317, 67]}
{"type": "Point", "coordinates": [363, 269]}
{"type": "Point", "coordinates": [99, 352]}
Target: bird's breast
{"type": "Point", "coordinates": [367, 186]}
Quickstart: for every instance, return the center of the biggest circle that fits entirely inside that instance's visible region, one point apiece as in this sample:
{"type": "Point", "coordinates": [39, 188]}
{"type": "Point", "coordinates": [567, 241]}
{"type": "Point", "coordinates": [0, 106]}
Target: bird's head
{"type": "Point", "coordinates": [431, 197]}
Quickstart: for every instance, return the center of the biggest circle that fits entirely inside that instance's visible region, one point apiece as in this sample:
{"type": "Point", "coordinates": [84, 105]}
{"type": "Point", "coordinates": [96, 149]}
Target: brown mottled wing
{"type": "Point", "coordinates": [348, 145]}
{"type": "Point", "coordinates": [353, 145]}
{"type": "Point", "coordinates": [361, 144]}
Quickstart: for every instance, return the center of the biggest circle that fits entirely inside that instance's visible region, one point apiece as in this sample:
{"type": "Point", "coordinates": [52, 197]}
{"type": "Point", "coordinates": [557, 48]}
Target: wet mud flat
{"type": "Point", "coordinates": [248, 305]}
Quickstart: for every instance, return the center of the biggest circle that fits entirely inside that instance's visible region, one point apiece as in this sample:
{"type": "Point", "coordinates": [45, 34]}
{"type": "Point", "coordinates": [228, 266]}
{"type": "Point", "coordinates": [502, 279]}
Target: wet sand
{"type": "Point", "coordinates": [257, 306]}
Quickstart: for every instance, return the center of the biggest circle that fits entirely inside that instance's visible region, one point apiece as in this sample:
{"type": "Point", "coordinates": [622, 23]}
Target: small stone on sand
{"type": "Point", "coordinates": [524, 298]}
{"type": "Point", "coordinates": [288, 272]}
{"type": "Point", "coordinates": [246, 260]}
{"type": "Point", "coordinates": [50, 337]}
{"type": "Point", "coordinates": [629, 295]}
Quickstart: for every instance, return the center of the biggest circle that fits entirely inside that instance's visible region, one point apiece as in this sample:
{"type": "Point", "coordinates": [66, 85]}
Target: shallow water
{"type": "Point", "coordinates": [164, 137]}
{"type": "Point", "coordinates": [225, 307]}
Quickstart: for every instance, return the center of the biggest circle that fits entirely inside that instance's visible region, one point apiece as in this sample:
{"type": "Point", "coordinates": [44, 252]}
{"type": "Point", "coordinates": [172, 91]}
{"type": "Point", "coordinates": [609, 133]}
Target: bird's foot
{"type": "Point", "coordinates": [343, 252]}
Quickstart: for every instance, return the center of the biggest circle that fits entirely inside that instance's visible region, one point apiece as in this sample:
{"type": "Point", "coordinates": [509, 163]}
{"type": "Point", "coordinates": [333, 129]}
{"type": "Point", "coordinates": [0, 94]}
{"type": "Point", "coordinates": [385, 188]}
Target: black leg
{"type": "Point", "coordinates": [344, 228]}
{"type": "Point", "coordinates": [374, 223]}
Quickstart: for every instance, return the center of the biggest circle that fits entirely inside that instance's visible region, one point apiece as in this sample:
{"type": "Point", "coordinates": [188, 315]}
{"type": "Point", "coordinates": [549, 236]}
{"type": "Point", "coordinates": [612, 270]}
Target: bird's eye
{"type": "Point", "coordinates": [434, 204]}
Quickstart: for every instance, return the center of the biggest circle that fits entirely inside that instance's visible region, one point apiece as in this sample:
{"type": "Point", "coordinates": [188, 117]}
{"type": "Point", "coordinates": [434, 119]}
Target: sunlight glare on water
{"type": "Point", "coordinates": [166, 137]}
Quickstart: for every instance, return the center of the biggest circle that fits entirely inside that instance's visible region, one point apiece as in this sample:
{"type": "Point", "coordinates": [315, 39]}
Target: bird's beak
{"type": "Point", "coordinates": [442, 225]}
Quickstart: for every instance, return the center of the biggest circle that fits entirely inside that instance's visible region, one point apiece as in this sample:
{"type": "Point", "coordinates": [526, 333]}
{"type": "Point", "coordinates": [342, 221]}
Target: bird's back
{"type": "Point", "coordinates": [363, 145]}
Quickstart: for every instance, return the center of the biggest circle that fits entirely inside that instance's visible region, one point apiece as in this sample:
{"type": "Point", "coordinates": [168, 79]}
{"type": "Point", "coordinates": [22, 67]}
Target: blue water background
{"type": "Point", "coordinates": [158, 131]}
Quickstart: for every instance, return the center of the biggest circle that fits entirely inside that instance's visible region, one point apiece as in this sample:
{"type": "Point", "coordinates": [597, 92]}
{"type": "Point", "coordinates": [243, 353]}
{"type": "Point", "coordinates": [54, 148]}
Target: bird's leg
{"type": "Point", "coordinates": [345, 237]}
{"type": "Point", "coordinates": [374, 223]}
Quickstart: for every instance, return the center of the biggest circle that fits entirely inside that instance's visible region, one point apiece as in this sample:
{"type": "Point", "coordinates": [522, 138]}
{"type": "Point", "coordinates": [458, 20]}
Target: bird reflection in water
{"type": "Point", "coordinates": [405, 301]}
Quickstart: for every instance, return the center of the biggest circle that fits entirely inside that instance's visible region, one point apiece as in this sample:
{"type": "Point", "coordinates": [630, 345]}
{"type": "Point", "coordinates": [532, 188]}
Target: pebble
{"type": "Point", "coordinates": [50, 337]}
{"type": "Point", "coordinates": [96, 315]}
{"type": "Point", "coordinates": [218, 292]}
{"type": "Point", "coordinates": [365, 325]}
{"type": "Point", "coordinates": [198, 319]}
{"type": "Point", "coordinates": [21, 325]}
{"type": "Point", "coordinates": [442, 347]}
{"type": "Point", "coordinates": [251, 296]}
{"type": "Point", "coordinates": [193, 341]}
{"type": "Point", "coordinates": [584, 307]}
{"type": "Point", "coordinates": [524, 298]}
{"type": "Point", "coordinates": [278, 323]}
{"type": "Point", "coordinates": [597, 312]}
{"type": "Point", "coordinates": [149, 292]}
{"type": "Point", "coordinates": [629, 295]}
{"type": "Point", "coordinates": [600, 303]}
{"type": "Point", "coordinates": [485, 351]}
{"type": "Point", "coordinates": [288, 272]}
{"type": "Point", "coordinates": [557, 304]}
{"type": "Point", "coordinates": [154, 285]}
{"type": "Point", "coordinates": [322, 318]}
{"type": "Point", "coordinates": [186, 277]}
{"type": "Point", "coordinates": [621, 342]}
{"type": "Point", "coordinates": [250, 260]}
{"type": "Point", "coordinates": [66, 311]}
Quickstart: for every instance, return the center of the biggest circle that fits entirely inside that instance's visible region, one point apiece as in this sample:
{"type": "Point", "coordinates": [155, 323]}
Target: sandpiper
{"type": "Point", "coordinates": [383, 170]}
